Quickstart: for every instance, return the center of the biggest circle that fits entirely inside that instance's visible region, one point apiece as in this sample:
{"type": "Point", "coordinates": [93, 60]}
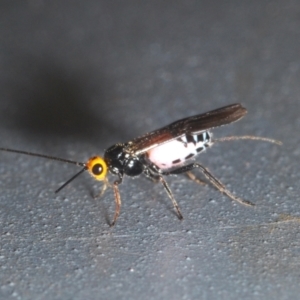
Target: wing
{"type": "Point", "coordinates": [191, 125]}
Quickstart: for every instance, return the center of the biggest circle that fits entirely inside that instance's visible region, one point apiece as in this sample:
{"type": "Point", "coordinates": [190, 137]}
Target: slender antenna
{"type": "Point", "coordinates": [71, 179]}
{"type": "Point", "coordinates": [248, 137]}
{"type": "Point", "coordinates": [52, 158]}
{"type": "Point", "coordinates": [44, 156]}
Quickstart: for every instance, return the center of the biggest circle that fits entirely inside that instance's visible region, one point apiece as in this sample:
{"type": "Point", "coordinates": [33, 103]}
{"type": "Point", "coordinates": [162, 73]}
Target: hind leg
{"type": "Point", "coordinates": [217, 183]}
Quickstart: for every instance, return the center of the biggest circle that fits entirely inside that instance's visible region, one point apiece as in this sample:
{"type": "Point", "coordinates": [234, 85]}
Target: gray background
{"type": "Point", "coordinates": [79, 76]}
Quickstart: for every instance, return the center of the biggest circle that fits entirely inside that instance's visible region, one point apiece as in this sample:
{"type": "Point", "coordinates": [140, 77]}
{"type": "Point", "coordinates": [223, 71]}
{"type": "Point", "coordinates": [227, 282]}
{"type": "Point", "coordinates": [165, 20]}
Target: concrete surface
{"type": "Point", "coordinates": [79, 76]}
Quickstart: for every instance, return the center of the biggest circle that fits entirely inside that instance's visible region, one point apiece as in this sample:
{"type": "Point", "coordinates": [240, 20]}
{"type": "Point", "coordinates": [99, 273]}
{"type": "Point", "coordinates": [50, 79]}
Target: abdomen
{"type": "Point", "coordinates": [177, 152]}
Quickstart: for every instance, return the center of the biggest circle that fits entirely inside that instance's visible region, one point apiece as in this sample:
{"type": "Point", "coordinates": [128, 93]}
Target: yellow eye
{"type": "Point", "coordinates": [97, 167]}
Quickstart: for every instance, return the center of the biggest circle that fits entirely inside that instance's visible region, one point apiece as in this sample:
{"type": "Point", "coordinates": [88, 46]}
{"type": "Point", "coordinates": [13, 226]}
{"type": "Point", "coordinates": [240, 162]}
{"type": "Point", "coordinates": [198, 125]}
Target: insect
{"type": "Point", "coordinates": [166, 151]}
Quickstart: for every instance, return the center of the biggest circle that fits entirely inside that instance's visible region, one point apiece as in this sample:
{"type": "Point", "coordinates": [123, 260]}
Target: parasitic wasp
{"type": "Point", "coordinates": [166, 151]}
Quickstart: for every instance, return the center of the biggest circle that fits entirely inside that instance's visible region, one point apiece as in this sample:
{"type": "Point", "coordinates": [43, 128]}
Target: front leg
{"type": "Point", "coordinates": [117, 199]}
{"type": "Point", "coordinates": [103, 189]}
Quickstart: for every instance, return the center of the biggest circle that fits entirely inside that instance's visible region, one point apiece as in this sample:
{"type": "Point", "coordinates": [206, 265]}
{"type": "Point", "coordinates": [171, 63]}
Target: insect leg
{"type": "Point", "coordinates": [217, 183]}
{"type": "Point", "coordinates": [151, 176]}
{"type": "Point", "coordinates": [220, 186]}
{"type": "Point", "coordinates": [186, 170]}
{"type": "Point", "coordinates": [117, 199]}
{"type": "Point", "coordinates": [191, 176]}
{"type": "Point", "coordinates": [168, 190]}
{"type": "Point", "coordinates": [103, 189]}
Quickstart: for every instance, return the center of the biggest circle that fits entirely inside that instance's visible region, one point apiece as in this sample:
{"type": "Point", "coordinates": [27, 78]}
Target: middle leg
{"type": "Point", "coordinates": [159, 178]}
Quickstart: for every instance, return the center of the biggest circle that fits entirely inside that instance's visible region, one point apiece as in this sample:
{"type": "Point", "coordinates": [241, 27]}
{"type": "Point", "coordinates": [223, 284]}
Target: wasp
{"type": "Point", "coordinates": [170, 150]}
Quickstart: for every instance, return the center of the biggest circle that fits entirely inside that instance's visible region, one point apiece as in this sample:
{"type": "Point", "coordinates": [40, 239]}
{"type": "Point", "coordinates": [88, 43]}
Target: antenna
{"type": "Point", "coordinates": [71, 179]}
{"type": "Point", "coordinates": [44, 156]}
{"type": "Point", "coordinates": [248, 137]}
{"type": "Point", "coordinates": [52, 158]}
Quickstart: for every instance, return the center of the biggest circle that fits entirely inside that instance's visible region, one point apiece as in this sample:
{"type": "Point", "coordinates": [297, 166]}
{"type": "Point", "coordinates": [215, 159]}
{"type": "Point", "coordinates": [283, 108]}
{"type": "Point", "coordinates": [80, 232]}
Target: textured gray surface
{"type": "Point", "coordinates": [76, 77]}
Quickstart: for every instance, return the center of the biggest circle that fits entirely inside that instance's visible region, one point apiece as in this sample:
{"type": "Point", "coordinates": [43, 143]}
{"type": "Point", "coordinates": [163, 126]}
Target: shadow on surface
{"type": "Point", "coordinates": [47, 101]}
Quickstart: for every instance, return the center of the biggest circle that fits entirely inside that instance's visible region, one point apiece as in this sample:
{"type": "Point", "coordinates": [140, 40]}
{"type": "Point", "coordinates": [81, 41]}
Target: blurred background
{"type": "Point", "coordinates": [79, 76]}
